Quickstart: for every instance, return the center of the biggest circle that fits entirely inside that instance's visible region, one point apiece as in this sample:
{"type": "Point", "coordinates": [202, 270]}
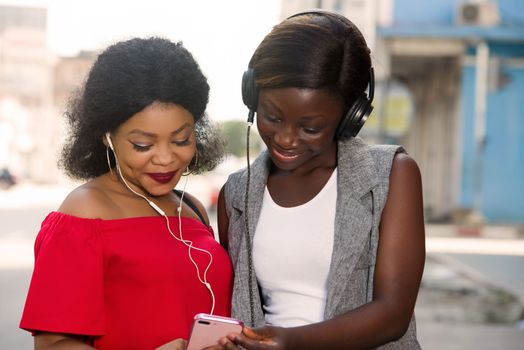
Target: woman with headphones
{"type": "Point", "coordinates": [126, 262]}
{"type": "Point", "coordinates": [325, 230]}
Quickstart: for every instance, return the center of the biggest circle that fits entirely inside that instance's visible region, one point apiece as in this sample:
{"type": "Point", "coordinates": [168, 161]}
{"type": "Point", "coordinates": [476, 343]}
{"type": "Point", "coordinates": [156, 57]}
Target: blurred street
{"type": "Point", "coordinates": [472, 294]}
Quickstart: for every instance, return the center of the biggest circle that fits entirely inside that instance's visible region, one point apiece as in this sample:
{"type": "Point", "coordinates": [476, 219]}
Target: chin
{"type": "Point", "coordinates": [289, 166]}
{"type": "Point", "coordinates": [160, 190]}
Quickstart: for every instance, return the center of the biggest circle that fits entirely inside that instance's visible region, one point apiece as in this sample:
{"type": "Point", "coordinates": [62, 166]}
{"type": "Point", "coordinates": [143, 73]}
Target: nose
{"type": "Point", "coordinates": [163, 156]}
{"type": "Point", "coordinates": [286, 137]}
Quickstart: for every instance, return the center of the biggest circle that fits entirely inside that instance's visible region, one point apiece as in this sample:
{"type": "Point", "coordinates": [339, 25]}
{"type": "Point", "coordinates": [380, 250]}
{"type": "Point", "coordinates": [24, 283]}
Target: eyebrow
{"type": "Point", "coordinates": [148, 134]}
{"type": "Point", "coordinates": [312, 117]}
{"type": "Point", "coordinates": [270, 103]}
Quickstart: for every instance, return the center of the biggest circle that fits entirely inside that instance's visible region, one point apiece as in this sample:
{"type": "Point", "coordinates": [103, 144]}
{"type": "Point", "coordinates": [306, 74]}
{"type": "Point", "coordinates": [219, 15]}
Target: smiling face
{"type": "Point", "coordinates": [155, 146]}
{"type": "Point", "coordinates": [298, 127]}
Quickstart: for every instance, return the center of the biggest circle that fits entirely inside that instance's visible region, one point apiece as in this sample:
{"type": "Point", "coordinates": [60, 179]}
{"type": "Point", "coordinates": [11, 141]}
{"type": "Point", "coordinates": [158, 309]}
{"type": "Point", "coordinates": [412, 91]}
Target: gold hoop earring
{"type": "Point", "coordinates": [109, 161]}
{"type": "Point", "coordinates": [188, 171]}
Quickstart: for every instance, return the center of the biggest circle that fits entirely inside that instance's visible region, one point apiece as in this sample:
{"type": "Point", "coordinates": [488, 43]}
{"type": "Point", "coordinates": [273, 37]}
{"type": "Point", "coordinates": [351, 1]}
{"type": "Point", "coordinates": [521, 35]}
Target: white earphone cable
{"type": "Point", "coordinates": [187, 243]}
{"type": "Point", "coordinates": [190, 246]}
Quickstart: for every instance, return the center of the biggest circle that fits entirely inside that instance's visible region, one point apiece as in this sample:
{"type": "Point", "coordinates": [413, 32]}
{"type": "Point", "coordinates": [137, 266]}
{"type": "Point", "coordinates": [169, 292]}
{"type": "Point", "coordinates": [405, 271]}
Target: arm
{"type": "Point", "coordinates": [398, 271]}
{"type": "Point", "coordinates": [51, 341]}
{"type": "Point", "coordinates": [177, 344]}
{"type": "Point", "coordinates": [222, 219]}
{"type": "Point", "coordinates": [44, 341]}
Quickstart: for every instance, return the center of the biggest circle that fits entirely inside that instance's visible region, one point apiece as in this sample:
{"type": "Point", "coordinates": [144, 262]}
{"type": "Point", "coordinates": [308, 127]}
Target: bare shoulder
{"type": "Point", "coordinates": [404, 170]}
{"type": "Point", "coordinates": [89, 200]}
{"type": "Point", "coordinates": [404, 203]}
{"type": "Point", "coordinates": [405, 193]}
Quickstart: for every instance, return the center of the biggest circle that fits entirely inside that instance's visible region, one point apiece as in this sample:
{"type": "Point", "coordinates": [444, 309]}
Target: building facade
{"type": "Point", "coordinates": [467, 58]}
{"type": "Point", "coordinates": [35, 85]}
{"type": "Point", "coordinates": [25, 93]}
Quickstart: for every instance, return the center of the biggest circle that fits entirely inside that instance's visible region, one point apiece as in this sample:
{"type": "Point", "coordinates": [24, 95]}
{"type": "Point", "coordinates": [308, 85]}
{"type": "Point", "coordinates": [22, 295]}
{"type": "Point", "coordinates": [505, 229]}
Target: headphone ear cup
{"type": "Point", "coordinates": [355, 118]}
{"type": "Point", "coordinates": [249, 90]}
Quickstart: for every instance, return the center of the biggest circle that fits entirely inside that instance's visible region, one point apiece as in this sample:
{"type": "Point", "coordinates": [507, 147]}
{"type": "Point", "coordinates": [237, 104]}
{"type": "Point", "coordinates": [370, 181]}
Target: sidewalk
{"type": "Point", "coordinates": [31, 195]}
{"type": "Point", "coordinates": [463, 305]}
{"type": "Point", "coordinates": [483, 231]}
{"type": "Point", "coordinates": [476, 253]}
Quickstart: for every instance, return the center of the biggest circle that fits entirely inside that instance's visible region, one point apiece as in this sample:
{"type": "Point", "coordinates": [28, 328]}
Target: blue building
{"type": "Point", "coordinates": [463, 63]}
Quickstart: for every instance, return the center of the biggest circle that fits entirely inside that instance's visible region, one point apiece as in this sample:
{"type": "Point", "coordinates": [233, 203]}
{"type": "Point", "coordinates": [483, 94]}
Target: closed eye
{"type": "Point", "coordinates": [271, 118]}
{"type": "Point", "coordinates": [182, 142]}
{"type": "Point", "coordinates": [310, 130]}
{"type": "Point", "coordinates": [140, 148]}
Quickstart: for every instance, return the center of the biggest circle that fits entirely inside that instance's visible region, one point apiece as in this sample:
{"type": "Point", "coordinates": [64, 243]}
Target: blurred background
{"type": "Point", "coordinates": [449, 87]}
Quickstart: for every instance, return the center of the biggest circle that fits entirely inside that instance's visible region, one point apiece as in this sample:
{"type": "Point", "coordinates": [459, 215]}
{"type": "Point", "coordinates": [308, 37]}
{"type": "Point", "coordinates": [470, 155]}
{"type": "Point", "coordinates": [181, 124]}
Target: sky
{"type": "Point", "coordinates": [221, 34]}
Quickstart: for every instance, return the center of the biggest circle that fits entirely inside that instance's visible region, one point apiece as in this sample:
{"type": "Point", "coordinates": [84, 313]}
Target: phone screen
{"type": "Point", "coordinates": [208, 329]}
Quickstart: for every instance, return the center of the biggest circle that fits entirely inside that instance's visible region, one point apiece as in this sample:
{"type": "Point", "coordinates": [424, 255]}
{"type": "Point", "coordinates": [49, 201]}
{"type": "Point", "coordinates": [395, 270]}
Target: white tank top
{"type": "Point", "coordinates": [292, 251]}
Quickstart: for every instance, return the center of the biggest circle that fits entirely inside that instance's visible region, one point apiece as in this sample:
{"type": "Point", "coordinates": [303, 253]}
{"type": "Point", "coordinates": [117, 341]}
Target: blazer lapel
{"type": "Point", "coordinates": [356, 177]}
{"type": "Point", "coordinates": [241, 300]}
{"type": "Point", "coordinates": [257, 184]}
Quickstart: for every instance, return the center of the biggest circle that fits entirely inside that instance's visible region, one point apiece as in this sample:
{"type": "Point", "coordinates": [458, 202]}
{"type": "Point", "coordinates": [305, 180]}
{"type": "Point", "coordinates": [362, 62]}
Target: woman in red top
{"type": "Point", "coordinates": [126, 262]}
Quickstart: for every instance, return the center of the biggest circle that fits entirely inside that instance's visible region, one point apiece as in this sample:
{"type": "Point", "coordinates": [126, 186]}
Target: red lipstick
{"type": "Point", "coordinates": [162, 178]}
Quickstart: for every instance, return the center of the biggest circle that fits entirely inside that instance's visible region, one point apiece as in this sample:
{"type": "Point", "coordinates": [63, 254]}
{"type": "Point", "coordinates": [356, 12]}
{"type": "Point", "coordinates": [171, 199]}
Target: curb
{"type": "Point", "coordinates": [475, 231]}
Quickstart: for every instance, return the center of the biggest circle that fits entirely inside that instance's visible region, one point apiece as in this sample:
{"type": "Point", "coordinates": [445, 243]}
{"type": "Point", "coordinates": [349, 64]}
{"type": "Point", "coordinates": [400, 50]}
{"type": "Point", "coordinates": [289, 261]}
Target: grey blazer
{"type": "Point", "coordinates": [362, 189]}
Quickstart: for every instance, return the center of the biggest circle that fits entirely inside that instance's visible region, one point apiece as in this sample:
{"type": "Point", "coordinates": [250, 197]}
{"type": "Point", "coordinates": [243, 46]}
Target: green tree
{"type": "Point", "coordinates": [234, 132]}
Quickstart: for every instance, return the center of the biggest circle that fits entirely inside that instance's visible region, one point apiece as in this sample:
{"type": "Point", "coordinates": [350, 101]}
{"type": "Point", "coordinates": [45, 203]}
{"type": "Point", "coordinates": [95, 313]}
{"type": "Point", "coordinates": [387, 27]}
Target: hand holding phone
{"type": "Point", "coordinates": [208, 329]}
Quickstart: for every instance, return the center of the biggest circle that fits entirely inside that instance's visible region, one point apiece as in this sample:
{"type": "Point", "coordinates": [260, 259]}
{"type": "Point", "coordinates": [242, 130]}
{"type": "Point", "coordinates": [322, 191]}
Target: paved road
{"type": "Point", "coordinates": [21, 220]}
{"type": "Point", "coordinates": [21, 211]}
{"type": "Point", "coordinates": [506, 270]}
{"type": "Point", "coordinates": [468, 336]}
{"type": "Point", "coordinates": [13, 289]}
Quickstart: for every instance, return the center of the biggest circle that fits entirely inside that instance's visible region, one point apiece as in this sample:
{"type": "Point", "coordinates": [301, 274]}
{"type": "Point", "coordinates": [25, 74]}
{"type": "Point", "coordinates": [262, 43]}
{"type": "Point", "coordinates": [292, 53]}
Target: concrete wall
{"type": "Point", "coordinates": [443, 12]}
{"type": "Point", "coordinates": [425, 12]}
{"type": "Point", "coordinates": [498, 175]}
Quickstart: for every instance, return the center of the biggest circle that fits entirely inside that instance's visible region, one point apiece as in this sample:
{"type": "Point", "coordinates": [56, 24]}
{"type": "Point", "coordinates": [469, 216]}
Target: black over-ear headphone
{"type": "Point", "coordinates": [354, 118]}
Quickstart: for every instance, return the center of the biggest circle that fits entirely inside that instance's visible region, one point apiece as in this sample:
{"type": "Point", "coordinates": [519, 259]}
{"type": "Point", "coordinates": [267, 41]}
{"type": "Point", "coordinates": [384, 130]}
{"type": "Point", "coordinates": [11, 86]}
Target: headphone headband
{"type": "Point", "coordinates": [319, 12]}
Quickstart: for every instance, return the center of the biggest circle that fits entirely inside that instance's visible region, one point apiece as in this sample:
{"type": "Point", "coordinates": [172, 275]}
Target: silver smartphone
{"type": "Point", "coordinates": [208, 329]}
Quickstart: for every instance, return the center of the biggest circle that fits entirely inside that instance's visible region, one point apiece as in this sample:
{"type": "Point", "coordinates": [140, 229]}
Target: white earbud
{"type": "Point", "coordinates": [108, 139]}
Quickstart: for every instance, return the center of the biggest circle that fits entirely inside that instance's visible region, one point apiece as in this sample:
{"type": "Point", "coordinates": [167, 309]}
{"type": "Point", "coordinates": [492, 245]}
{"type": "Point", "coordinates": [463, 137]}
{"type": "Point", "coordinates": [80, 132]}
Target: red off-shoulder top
{"type": "Point", "coordinates": [125, 283]}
